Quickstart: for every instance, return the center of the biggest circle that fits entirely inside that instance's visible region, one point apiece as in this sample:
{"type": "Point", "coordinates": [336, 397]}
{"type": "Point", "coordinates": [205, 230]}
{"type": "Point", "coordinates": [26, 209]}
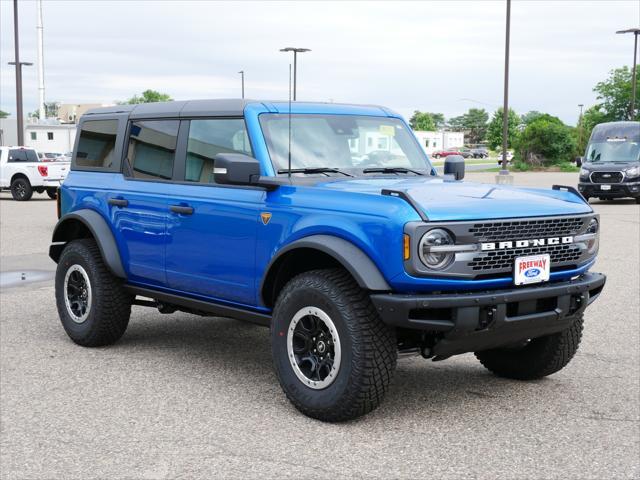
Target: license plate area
{"type": "Point", "coordinates": [605, 187]}
{"type": "Point", "coordinates": [532, 269]}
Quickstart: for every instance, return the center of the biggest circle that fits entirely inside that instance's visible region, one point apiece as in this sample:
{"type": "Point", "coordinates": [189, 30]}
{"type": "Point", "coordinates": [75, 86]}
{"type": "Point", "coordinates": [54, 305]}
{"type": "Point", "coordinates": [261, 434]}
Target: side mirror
{"type": "Point", "coordinates": [454, 165]}
{"type": "Point", "coordinates": [235, 169]}
{"type": "Point", "coordinates": [579, 161]}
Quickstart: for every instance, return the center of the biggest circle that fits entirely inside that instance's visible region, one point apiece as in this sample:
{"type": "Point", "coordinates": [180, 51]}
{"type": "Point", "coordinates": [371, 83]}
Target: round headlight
{"type": "Point", "coordinates": [593, 226]}
{"type": "Point", "coordinates": [633, 172]}
{"type": "Point", "coordinates": [434, 258]}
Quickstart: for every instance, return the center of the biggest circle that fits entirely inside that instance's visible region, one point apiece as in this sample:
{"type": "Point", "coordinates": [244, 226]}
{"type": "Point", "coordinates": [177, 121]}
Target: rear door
{"type": "Point", "coordinates": [212, 228]}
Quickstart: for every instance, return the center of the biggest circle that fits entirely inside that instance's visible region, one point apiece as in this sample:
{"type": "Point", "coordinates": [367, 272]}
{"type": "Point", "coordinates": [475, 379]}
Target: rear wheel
{"type": "Point", "coordinates": [21, 189]}
{"type": "Point", "coordinates": [92, 304]}
{"type": "Point", "coordinates": [332, 354]}
{"type": "Point", "coordinates": [52, 193]}
{"type": "Point", "coordinates": [535, 358]}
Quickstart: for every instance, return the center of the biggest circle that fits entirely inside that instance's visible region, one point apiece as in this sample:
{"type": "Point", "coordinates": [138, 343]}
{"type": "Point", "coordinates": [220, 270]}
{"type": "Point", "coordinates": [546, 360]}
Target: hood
{"type": "Point", "coordinates": [608, 166]}
{"type": "Point", "coordinates": [450, 201]}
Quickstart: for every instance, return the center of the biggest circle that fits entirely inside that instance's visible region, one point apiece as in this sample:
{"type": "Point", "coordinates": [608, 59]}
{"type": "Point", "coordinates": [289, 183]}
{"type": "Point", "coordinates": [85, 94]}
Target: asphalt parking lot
{"type": "Point", "coordinates": [187, 397]}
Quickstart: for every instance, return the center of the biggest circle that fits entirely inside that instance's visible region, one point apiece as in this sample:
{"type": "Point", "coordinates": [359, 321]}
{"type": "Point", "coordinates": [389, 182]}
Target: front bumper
{"type": "Point", "coordinates": [469, 322]}
{"type": "Point", "coordinates": [617, 190]}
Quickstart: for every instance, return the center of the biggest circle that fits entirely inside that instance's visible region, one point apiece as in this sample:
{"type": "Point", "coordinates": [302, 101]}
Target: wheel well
{"type": "Point", "coordinates": [71, 229]}
{"type": "Point", "coordinates": [20, 175]}
{"type": "Point", "coordinates": [291, 264]}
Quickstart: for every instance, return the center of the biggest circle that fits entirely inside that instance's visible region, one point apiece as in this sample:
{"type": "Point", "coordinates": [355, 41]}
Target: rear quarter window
{"type": "Point", "coordinates": [97, 145]}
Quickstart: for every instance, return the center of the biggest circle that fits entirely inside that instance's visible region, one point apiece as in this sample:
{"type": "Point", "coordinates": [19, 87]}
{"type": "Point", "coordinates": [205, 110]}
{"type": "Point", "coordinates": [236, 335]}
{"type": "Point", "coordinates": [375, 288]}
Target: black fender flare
{"type": "Point", "coordinates": [352, 258]}
{"type": "Point", "coordinates": [67, 229]}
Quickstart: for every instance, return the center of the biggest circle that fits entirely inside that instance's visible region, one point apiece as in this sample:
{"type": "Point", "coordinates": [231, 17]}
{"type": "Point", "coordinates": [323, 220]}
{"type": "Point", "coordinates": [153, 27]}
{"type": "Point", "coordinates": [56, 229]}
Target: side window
{"type": "Point", "coordinates": [152, 148]}
{"type": "Point", "coordinates": [34, 135]}
{"type": "Point", "coordinates": [17, 156]}
{"type": "Point", "coordinates": [207, 138]}
{"type": "Point", "coordinates": [96, 147]}
{"type": "Point", "coordinates": [49, 135]}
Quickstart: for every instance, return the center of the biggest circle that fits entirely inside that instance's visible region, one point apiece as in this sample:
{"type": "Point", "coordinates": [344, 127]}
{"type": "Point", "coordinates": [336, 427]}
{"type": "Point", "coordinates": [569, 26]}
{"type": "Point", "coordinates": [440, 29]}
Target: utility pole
{"type": "Point", "coordinates": [635, 32]}
{"type": "Point", "coordinates": [241, 72]}
{"type": "Point", "coordinates": [18, 65]}
{"type": "Point", "coordinates": [39, 28]}
{"type": "Point", "coordinates": [504, 176]}
{"type": "Point", "coordinates": [295, 51]}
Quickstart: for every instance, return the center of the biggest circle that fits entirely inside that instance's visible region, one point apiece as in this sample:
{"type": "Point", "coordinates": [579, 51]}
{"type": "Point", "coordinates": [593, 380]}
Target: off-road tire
{"type": "Point", "coordinates": [52, 193]}
{"type": "Point", "coordinates": [539, 358]}
{"type": "Point", "coordinates": [369, 348]}
{"type": "Point", "coordinates": [110, 305]}
{"type": "Point", "coordinates": [21, 190]}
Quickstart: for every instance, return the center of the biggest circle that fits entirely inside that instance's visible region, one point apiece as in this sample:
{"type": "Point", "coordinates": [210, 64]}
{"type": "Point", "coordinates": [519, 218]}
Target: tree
{"type": "Point", "coordinates": [494, 130]}
{"type": "Point", "coordinates": [426, 121]}
{"type": "Point", "coordinates": [473, 124]}
{"type": "Point", "coordinates": [590, 118]}
{"type": "Point", "coordinates": [545, 142]}
{"type": "Point", "coordinates": [149, 96]}
{"type": "Point", "coordinates": [50, 110]}
{"type": "Point", "coordinates": [615, 95]}
{"type": "Point", "coordinates": [3, 114]}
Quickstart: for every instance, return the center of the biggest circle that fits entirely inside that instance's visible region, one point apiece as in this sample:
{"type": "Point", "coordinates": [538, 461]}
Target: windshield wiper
{"type": "Point", "coordinates": [313, 170]}
{"type": "Point", "coordinates": [390, 170]}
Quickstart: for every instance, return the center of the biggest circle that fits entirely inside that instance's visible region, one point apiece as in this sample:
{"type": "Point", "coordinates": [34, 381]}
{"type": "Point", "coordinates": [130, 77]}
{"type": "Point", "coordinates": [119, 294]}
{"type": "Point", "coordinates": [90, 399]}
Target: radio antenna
{"type": "Point", "coordinates": [289, 121]}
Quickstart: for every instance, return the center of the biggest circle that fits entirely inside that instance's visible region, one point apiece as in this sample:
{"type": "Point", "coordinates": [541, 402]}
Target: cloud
{"type": "Point", "coordinates": [406, 55]}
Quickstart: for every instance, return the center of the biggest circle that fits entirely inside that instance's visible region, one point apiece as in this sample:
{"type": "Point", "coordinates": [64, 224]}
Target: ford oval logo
{"type": "Point", "coordinates": [532, 272]}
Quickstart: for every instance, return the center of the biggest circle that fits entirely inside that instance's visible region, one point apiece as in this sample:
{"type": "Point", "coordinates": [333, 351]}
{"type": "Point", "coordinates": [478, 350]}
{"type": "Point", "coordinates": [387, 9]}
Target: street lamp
{"type": "Point", "coordinates": [580, 126]}
{"type": "Point", "coordinates": [635, 32]}
{"type": "Point", "coordinates": [295, 51]}
{"type": "Point", "coordinates": [241, 72]}
{"type": "Point", "coordinates": [18, 65]}
{"type": "Point", "coordinates": [505, 107]}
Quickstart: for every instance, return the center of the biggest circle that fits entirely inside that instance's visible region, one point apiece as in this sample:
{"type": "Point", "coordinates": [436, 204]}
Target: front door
{"type": "Point", "coordinates": [211, 231]}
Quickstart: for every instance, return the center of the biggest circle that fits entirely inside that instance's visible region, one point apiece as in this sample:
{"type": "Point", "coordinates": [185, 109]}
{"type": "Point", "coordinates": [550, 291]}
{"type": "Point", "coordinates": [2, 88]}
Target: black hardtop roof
{"type": "Point", "coordinates": [227, 107]}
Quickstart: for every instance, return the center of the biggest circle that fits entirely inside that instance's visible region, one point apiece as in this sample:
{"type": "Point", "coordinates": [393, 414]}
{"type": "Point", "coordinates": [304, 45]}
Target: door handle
{"type": "Point", "coordinates": [118, 202]}
{"type": "Point", "coordinates": [183, 209]}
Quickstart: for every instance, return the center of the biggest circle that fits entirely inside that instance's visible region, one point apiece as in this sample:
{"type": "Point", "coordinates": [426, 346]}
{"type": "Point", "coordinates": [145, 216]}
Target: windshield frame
{"type": "Point", "coordinates": [611, 157]}
{"type": "Point", "coordinates": [427, 168]}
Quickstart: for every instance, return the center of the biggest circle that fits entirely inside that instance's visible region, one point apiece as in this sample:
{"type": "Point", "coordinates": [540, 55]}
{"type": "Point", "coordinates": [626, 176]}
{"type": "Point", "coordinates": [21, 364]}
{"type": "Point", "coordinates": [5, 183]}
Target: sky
{"type": "Point", "coordinates": [432, 56]}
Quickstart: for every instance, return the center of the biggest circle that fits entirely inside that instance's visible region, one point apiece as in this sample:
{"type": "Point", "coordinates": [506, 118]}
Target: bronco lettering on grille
{"type": "Point", "coordinates": [536, 242]}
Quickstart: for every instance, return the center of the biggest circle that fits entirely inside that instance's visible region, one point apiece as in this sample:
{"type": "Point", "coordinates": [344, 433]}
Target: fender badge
{"type": "Point", "coordinates": [265, 216]}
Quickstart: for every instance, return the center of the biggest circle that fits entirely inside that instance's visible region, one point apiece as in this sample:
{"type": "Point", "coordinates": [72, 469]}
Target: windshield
{"type": "Point", "coordinates": [613, 150]}
{"type": "Point", "coordinates": [345, 142]}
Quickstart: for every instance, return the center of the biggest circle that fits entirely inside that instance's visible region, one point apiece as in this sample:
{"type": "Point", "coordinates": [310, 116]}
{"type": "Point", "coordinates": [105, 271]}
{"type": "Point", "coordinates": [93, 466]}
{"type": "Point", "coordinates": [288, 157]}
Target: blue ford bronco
{"type": "Point", "coordinates": [328, 224]}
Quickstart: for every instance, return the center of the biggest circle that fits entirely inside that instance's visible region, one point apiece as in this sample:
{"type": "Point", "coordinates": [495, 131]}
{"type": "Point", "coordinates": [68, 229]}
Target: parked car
{"type": "Point", "coordinates": [23, 173]}
{"type": "Point", "coordinates": [465, 152]}
{"type": "Point", "coordinates": [446, 153]}
{"type": "Point", "coordinates": [509, 157]}
{"type": "Point", "coordinates": [611, 166]}
{"type": "Point", "coordinates": [49, 156]}
{"type": "Point", "coordinates": [480, 153]}
{"type": "Point", "coordinates": [213, 212]}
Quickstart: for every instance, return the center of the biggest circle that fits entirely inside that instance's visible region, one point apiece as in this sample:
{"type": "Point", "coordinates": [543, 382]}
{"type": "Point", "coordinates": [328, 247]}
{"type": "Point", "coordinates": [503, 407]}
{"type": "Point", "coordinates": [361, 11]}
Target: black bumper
{"type": "Point", "coordinates": [479, 320]}
{"type": "Point", "coordinates": [618, 190]}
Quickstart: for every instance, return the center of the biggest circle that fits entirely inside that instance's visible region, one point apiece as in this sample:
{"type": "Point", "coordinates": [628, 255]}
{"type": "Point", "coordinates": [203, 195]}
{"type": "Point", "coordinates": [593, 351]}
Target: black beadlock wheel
{"type": "Point", "coordinates": [92, 304]}
{"type": "Point", "coordinates": [333, 355]}
{"type": "Point", "coordinates": [536, 358]}
{"type": "Point", "coordinates": [21, 190]}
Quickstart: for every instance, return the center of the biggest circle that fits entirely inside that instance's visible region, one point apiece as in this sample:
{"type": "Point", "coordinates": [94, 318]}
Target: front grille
{"type": "Point", "coordinates": [504, 259]}
{"type": "Point", "coordinates": [606, 177]}
{"type": "Point", "coordinates": [525, 229]}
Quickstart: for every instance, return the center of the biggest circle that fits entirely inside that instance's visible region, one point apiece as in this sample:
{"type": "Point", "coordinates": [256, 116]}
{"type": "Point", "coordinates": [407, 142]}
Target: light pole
{"type": "Point", "coordinates": [580, 126]}
{"type": "Point", "coordinates": [295, 51]}
{"type": "Point", "coordinates": [241, 72]}
{"type": "Point", "coordinates": [505, 107]}
{"type": "Point", "coordinates": [635, 32]}
{"type": "Point", "coordinates": [18, 65]}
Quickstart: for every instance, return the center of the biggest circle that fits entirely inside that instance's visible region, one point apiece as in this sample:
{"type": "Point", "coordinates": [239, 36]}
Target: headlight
{"type": "Point", "coordinates": [430, 252]}
{"type": "Point", "coordinates": [633, 172]}
{"type": "Point", "coordinates": [593, 226]}
{"type": "Point", "coordinates": [593, 243]}
{"type": "Point", "coordinates": [584, 172]}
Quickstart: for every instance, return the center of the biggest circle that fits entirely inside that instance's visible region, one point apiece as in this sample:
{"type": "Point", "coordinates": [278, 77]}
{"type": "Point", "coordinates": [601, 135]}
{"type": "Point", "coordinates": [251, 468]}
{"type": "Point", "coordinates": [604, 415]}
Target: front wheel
{"type": "Point", "coordinates": [92, 304]}
{"type": "Point", "coordinates": [21, 190]}
{"type": "Point", "coordinates": [333, 355]}
{"type": "Point", "coordinates": [52, 193]}
{"type": "Point", "coordinates": [535, 358]}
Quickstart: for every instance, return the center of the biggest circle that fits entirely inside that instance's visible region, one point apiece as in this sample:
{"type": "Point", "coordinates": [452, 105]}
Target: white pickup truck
{"type": "Point", "coordinates": [22, 172]}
